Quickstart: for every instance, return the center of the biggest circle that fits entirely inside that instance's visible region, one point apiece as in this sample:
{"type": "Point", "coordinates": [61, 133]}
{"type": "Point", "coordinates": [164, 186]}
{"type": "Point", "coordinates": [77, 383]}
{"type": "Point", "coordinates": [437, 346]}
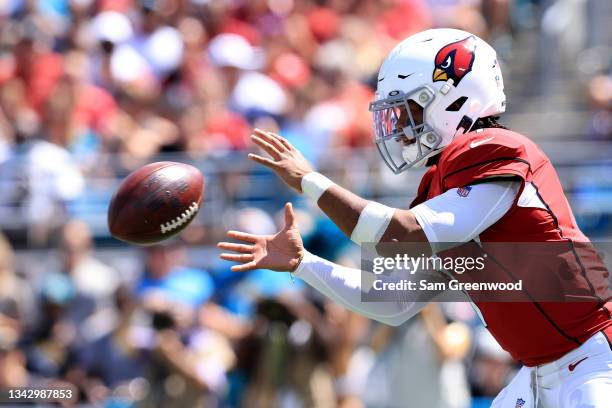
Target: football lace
{"type": "Point", "coordinates": [182, 219]}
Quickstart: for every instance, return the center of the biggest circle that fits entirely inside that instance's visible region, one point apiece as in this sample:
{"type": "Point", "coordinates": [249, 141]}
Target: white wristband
{"type": "Point", "coordinates": [314, 185]}
{"type": "Point", "coordinates": [372, 224]}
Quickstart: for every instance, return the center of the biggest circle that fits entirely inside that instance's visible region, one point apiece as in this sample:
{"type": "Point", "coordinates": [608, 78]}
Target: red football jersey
{"type": "Point", "coordinates": [534, 332]}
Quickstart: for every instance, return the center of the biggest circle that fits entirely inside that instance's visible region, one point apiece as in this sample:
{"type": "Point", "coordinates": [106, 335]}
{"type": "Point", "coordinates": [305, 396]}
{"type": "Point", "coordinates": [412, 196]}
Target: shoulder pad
{"type": "Point", "coordinates": [483, 154]}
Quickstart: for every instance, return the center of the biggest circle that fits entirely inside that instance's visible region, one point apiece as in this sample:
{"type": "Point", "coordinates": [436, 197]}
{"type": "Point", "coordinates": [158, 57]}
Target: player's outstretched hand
{"type": "Point", "coordinates": [286, 161]}
{"type": "Point", "coordinates": [281, 252]}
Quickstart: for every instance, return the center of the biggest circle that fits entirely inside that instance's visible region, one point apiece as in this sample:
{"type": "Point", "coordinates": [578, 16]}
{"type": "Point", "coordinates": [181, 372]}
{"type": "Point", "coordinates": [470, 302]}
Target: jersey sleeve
{"type": "Point", "coordinates": [346, 285]}
{"type": "Point", "coordinates": [461, 214]}
{"type": "Point", "coordinates": [485, 155]}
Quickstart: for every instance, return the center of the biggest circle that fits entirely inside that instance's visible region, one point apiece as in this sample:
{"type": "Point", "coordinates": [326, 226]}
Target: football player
{"type": "Point", "coordinates": [438, 98]}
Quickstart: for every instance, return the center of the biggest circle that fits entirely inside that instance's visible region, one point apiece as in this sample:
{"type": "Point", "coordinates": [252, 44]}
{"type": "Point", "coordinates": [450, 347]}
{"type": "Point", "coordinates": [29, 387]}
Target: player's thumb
{"type": "Point", "coordinates": [289, 215]}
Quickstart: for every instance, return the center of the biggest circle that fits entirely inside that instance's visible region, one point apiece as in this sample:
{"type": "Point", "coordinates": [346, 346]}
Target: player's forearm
{"type": "Point", "coordinates": [343, 207]}
{"type": "Point", "coordinates": [345, 286]}
{"type": "Point", "coordinates": [360, 219]}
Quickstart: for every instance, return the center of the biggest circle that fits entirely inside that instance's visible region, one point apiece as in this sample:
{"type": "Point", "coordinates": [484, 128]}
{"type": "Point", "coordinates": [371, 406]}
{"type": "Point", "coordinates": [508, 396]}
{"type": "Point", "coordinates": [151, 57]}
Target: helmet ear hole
{"type": "Point", "coordinates": [455, 106]}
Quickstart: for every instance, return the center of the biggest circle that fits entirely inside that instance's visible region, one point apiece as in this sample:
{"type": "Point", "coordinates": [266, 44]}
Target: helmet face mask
{"type": "Point", "coordinates": [401, 134]}
{"type": "Point", "coordinates": [433, 87]}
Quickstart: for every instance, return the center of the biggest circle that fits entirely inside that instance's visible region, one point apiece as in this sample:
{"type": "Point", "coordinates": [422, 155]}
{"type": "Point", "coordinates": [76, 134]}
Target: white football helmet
{"type": "Point", "coordinates": [449, 77]}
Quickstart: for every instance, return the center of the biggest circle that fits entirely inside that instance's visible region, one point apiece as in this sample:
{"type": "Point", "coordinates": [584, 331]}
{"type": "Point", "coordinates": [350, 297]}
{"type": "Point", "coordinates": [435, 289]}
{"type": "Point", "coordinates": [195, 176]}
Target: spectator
{"type": "Point", "coordinates": [600, 93]}
{"type": "Point", "coordinates": [17, 301]}
{"type": "Point", "coordinates": [423, 351]}
{"type": "Point", "coordinates": [166, 276]}
{"type": "Point", "coordinates": [90, 283]}
{"type": "Point", "coordinates": [113, 360]}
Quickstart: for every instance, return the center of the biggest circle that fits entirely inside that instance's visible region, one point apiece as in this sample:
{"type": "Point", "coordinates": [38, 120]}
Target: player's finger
{"type": "Point", "coordinates": [289, 215]}
{"type": "Point", "coordinates": [270, 149]}
{"type": "Point", "coordinates": [229, 246]}
{"type": "Point", "coordinates": [284, 141]}
{"type": "Point", "coordinates": [244, 267]}
{"type": "Point", "coordinates": [242, 236]}
{"type": "Point", "coordinates": [271, 138]}
{"type": "Point", "coordinates": [237, 257]}
{"type": "Point", "coordinates": [264, 160]}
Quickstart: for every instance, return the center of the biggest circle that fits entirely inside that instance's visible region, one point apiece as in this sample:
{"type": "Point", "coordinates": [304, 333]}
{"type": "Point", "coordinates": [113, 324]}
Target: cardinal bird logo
{"type": "Point", "coordinates": [455, 60]}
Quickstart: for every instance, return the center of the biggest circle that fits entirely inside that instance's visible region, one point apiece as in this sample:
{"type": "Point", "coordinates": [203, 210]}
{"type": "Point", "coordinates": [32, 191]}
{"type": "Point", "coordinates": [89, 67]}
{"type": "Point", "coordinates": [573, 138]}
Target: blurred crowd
{"type": "Point", "coordinates": [96, 88]}
{"type": "Point", "coordinates": [92, 89]}
{"type": "Point", "coordinates": [176, 335]}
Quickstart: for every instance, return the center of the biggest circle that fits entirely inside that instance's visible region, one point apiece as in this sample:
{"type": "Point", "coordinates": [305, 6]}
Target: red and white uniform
{"type": "Point", "coordinates": [554, 328]}
{"type": "Point", "coordinates": [514, 196]}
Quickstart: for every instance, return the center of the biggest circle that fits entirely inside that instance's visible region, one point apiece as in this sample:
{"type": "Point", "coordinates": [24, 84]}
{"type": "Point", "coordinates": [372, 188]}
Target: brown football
{"type": "Point", "coordinates": [155, 202]}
